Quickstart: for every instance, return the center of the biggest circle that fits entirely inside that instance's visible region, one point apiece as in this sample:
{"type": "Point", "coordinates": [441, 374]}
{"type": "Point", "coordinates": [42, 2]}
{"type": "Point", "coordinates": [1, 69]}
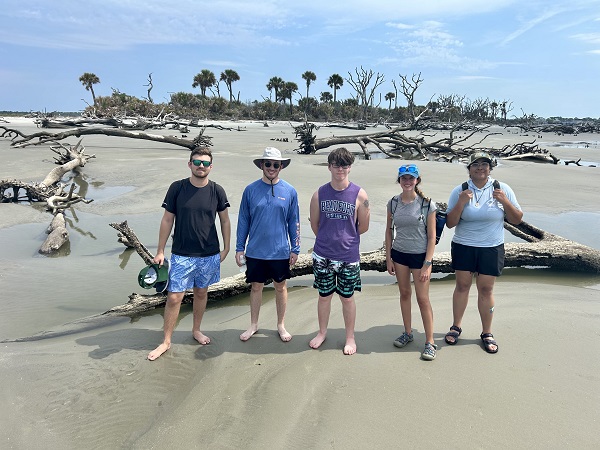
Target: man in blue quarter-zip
{"type": "Point", "coordinates": [268, 237]}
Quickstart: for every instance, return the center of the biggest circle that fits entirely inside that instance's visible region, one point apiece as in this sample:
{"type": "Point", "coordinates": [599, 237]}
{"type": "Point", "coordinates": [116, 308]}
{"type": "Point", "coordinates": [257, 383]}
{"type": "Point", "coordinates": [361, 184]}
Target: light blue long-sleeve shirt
{"type": "Point", "coordinates": [269, 221]}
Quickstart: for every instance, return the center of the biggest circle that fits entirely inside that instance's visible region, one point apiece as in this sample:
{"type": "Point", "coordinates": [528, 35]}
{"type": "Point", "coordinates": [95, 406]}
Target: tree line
{"type": "Point", "coordinates": [365, 102]}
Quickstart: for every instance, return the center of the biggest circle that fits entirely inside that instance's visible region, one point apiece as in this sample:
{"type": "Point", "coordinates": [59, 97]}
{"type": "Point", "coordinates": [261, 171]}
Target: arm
{"type": "Point", "coordinates": [243, 228]}
{"type": "Point", "coordinates": [294, 229]}
{"type": "Point", "coordinates": [426, 269]}
{"type": "Point", "coordinates": [315, 213]}
{"type": "Point", "coordinates": [513, 214]}
{"type": "Point", "coordinates": [454, 214]}
{"type": "Point", "coordinates": [225, 232]}
{"type": "Point", "coordinates": [389, 237]}
{"type": "Point", "coordinates": [363, 214]}
{"type": "Point", "coordinates": [166, 225]}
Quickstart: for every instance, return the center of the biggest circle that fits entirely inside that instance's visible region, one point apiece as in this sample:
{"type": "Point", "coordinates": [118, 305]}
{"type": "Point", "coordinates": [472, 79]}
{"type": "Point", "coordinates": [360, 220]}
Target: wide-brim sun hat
{"type": "Point", "coordinates": [155, 276]}
{"type": "Point", "coordinates": [480, 155]}
{"type": "Point", "coordinates": [273, 154]}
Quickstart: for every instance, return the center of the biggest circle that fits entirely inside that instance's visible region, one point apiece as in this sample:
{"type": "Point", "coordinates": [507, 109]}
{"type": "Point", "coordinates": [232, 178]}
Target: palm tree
{"type": "Point", "coordinates": [326, 97]}
{"type": "Point", "coordinates": [229, 76]}
{"type": "Point", "coordinates": [309, 77]}
{"type": "Point", "coordinates": [204, 79]}
{"type": "Point", "coordinates": [275, 83]}
{"type": "Point", "coordinates": [335, 82]}
{"type": "Point", "coordinates": [390, 96]}
{"type": "Point", "coordinates": [287, 91]}
{"type": "Point", "coordinates": [88, 80]}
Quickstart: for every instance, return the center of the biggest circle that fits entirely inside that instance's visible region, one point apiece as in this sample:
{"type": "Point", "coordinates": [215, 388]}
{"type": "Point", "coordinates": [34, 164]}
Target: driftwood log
{"type": "Point", "coordinates": [540, 249]}
{"type": "Point", "coordinates": [51, 191]}
{"type": "Point", "coordinates": [44, 137]}
{"type": "Point", "coordinates": [58, 235]}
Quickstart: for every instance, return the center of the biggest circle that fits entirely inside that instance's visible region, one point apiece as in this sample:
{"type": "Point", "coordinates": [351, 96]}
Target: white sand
{"type": "Point", "coordinates": [95, 389]}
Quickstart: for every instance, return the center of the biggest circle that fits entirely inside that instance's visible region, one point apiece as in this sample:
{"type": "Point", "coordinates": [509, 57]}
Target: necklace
{"type": "Point", "coordinates": [480, 195]}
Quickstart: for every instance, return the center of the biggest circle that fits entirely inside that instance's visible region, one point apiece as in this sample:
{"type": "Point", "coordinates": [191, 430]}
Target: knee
{"type": "Point", "coordinates": [423, 301]}
{"type": "Point", "coordinates": [485, 292]}
{"type": "Point", "coordinates": [256, 288]}
{"type": "Point", "coordinates": [463, 287]}
{"type": "Point", "coordinates": [173, 300]}
{"type": "Point", "coordinates": [405, 295]}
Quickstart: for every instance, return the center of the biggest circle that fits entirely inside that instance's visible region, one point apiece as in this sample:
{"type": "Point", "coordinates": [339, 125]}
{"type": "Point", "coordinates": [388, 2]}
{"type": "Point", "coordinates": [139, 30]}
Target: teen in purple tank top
{"type": "Point", "coordinates": [339, 214]}
{"type": "Point", "coordinates": [338, 236]}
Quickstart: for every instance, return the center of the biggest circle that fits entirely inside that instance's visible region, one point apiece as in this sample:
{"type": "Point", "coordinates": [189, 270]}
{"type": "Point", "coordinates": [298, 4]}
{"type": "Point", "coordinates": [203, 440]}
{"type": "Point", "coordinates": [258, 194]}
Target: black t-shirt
{"type": "Point", "coordinates": [195, 211]}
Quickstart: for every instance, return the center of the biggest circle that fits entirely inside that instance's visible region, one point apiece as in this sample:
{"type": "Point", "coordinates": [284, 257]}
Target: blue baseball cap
{"type": "Point", "coordinates": [409, 169]}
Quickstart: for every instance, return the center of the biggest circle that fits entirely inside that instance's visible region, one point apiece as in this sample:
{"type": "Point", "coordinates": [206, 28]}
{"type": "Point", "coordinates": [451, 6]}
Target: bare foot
{"type": "Point", "coordinates": [350, 348]}
{"type": "Point", "coordinates": [283, 334]}
{"type": "Point", "coordinates": [158, 351]}
{"type": "Point", "coordinates": [201, 338]}
{"type": "Point", "coordinates": [249, 333]}
{"type": "Point", "coordinates": [317, 340]}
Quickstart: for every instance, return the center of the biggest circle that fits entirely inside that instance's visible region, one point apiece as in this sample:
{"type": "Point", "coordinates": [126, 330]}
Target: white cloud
{"type": "Point", "coordinates": [529, 24]}
{"type": "Point", "coordinates": [588, 38]}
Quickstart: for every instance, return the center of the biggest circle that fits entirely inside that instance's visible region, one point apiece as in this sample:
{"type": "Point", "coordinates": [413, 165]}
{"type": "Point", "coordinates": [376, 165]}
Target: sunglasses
{"type": "Point", "coordinates": [199, 162]}
{"type": "Point", "coordinates": [268, 164]}
{"type": "Point", "coordinates": [483, 165]}
{"type": "Point", "coordinates": [408, 169]}
{"type": "Point", "coordinates": [337, 166]}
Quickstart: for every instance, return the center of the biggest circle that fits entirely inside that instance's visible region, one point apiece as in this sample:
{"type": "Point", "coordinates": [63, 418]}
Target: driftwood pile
{"type": "Point", "coordinates": [395, 144]}
{"type": "Point", "coordinates": [52, 192]}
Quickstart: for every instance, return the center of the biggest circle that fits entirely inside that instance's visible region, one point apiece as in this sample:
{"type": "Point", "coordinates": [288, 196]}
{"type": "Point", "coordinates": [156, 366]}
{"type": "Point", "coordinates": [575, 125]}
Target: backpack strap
{"type": "Point", "coordinates": [393, 206]}
{"type": "Point", "coordinates": [425, 213]}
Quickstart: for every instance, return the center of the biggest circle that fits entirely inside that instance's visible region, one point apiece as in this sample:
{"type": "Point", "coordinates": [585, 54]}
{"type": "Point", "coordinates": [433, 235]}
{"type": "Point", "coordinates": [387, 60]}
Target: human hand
{"type": "Point", "coordinates": [500, 196]}
{"type": "Point", "coordinates": [465, 196]}
{"type": "Point", "coordinates": [238, 260]}
{"type": "Point", "coordinates": [293, 259]}
{"type": "Point", "coordinates": [159, 258]}
{"type": "Point", "coordinates": [390, 267]}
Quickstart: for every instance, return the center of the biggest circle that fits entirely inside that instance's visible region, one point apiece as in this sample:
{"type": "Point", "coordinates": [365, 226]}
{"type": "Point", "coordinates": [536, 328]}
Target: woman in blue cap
{"type": "Point", "coordinates": [410, 251]}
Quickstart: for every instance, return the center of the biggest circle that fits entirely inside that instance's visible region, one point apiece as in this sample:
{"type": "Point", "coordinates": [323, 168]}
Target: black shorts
{"type": "Point", "coordinates": [262, 270]}
{"type": "Point", "coordinates": [482, 260]}
{"type": "Point", "coordinates": [412, 260]}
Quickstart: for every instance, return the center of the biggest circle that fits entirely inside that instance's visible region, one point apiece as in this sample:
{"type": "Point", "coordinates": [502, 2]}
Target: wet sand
{"type": "Point", "coordinates": [96, 390]}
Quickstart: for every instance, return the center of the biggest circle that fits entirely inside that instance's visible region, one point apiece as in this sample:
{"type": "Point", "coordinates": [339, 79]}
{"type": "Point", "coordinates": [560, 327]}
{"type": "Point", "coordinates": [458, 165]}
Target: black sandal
{"type": "Point", "coordinates": [454, 333]}
{"type": "Point", "coordinates": [488, 341]}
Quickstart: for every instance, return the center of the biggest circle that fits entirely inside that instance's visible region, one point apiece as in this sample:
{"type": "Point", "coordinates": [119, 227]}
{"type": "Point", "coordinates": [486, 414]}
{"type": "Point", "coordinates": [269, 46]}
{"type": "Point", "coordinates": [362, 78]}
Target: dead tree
{"type": "Point", "coordinates": [51, 191]}
{"type": "Point", "coordinates": [409, 88]}
{"type": "Point", "coordinates": [149, 86]}
{"type": "Point", "coordinates": [45, 137]}
{"type": "Point", "coordinates": [364, 93]}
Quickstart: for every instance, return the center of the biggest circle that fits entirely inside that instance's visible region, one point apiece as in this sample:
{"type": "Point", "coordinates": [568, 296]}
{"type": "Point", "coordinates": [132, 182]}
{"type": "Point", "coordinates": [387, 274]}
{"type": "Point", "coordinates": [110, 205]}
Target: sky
{"type": "Point", "coordinates": [543, 57]}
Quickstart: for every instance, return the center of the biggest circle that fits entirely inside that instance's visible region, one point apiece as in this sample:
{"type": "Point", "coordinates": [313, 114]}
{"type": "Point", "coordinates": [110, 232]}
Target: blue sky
{"type": "Point", "coordinates": [543, 56]}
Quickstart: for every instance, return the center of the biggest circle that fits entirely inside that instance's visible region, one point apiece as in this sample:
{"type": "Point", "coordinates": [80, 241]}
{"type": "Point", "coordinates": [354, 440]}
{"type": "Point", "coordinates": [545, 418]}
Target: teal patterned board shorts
{"type": "Point", "coordinates": [336, 276]}
{"type": "Point", "coordinates": [188, 272]}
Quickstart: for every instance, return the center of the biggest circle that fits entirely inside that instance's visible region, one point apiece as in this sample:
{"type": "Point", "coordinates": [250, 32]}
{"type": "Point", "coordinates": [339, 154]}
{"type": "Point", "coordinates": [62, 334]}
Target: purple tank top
{"type": "Point", "coordinates": [338, 237]}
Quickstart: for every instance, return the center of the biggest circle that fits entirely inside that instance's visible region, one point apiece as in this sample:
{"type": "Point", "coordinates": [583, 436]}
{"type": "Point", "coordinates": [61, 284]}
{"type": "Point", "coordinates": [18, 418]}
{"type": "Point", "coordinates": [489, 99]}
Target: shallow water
{"type": "Point", "coordinates": [127, 181]}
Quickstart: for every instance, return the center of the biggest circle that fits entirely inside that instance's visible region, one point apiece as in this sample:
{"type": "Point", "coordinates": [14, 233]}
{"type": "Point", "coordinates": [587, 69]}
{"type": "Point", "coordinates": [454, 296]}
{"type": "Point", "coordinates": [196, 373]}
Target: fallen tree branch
{"type": "Point", "coordinates": [45, 137]}
{"type": "Point", "coordinates": [542, 249]}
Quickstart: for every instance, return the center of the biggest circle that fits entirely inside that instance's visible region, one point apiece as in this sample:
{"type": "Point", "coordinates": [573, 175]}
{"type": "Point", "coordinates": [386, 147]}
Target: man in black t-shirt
{"type": "Point", "coordinates": [192, 205]}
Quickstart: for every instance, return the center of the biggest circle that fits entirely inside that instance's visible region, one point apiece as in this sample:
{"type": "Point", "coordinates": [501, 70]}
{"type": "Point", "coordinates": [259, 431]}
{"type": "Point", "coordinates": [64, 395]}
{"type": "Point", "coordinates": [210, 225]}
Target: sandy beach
{"type": "Point", "coordinates": [95, 389]}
